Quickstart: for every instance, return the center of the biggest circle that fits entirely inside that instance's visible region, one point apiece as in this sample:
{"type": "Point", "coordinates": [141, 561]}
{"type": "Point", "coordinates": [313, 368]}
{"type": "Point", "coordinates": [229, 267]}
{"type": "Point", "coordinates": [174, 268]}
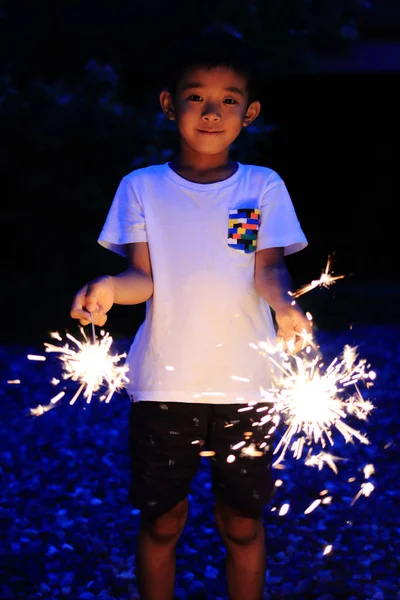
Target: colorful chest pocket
{"type": "Point", "coordinates": [243, 228]}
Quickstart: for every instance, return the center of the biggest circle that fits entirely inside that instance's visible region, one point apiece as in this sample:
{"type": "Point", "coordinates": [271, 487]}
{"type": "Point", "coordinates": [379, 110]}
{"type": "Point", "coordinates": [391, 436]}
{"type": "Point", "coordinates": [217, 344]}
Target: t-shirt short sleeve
{"type": "Point", "coordinates": [125, 222]}
{"type": "Point", "coordinates": [279, 225]}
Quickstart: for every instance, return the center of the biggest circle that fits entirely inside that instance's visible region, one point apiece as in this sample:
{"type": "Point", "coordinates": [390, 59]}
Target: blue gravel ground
{"type": "Point", "coordinates": [69, 530]}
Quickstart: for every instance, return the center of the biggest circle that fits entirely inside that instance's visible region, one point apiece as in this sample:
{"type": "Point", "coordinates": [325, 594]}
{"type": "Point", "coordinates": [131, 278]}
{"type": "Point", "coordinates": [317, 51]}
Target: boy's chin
{"type": "Point", "coordinates": [210, 148]}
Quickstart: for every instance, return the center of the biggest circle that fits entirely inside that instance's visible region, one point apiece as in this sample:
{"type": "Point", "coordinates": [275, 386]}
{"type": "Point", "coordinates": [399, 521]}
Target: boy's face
{"type": "Point", "coordinates": [211, 107]}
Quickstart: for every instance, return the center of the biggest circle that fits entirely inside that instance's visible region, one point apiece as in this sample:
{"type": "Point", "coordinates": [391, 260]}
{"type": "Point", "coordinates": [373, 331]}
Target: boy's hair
{"type": "Point", "coordinates": [211, 49]}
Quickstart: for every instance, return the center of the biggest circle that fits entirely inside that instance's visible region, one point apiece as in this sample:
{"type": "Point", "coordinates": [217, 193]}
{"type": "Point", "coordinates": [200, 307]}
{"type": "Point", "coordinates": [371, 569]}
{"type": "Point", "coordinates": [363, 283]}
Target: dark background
{"type": "Point", "coordinates": [79, 110]}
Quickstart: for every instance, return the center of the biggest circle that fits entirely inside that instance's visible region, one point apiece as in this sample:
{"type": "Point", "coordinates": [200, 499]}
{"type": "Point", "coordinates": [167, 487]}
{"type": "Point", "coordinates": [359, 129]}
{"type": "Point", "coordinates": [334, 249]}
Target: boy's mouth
{"type": "Point", "coordinates": [210, 131]}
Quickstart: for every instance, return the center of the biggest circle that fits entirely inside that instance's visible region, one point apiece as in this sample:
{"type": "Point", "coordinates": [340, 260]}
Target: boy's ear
{"type": "Point", "coordinates": [167, 105]}
{"type": "Point", "coordinates": [252, 112]}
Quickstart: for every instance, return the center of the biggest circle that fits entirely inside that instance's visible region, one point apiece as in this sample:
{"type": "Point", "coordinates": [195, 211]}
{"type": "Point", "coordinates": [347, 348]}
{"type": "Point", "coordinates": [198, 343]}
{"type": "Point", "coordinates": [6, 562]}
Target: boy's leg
{"type": "Point", "coordinates": [163, 462]}
{"type": "Point", "coordinates": [241, 487]}
{"type": "Point", "coordinates": [155, 555]}
{"type": "Point", "coordinates": [245, 552]}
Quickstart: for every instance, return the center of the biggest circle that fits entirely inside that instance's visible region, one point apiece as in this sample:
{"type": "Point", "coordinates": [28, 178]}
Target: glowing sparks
{"type": "Point", "coordinates": [284, 509]}
{"type": "Point", "coordinates": [238, 445]}
{"type": "Point", "coordinates": [366, 490]}
{"type": "Point", "coordinates": [251, 451]}
{"type": "Point", "coordinates": [40, 410]}
{"type": "Point", "coordinates": [88, 363]}
{"type": "Point", "coordinates": [327, 549]}
{"type": "Point", "coordinates": [312, 400]}
{"type": "Point", "coordinates": [313, 506]}
{"type": "Point", "coordinates": [368, 470]}
{"type": "Point", "coordinates": [326, 280]}
{"type": "Point", "coordinates": [327, 500]}
{"type": "Point", "coordinates": [319, 460]}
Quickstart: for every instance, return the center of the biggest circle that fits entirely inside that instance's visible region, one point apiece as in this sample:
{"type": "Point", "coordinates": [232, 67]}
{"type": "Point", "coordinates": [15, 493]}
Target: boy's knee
{"type": "Point", "coordinates": [242, 532]}
{"type": "Point", "coordinates": [169, 526]}
{"type": "Point", "coordinates": [236, 528]}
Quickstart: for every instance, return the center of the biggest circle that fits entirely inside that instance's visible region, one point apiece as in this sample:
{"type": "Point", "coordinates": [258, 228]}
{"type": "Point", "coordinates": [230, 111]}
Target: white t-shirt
{"type": "Point", "coordinates": [197, 342]}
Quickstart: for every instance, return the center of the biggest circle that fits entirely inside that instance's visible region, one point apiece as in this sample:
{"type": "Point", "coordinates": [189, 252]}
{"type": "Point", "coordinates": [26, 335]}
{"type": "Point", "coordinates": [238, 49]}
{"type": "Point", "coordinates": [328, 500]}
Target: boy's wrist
{"type": "Point", "coordinates": [109, 280]}
{"type": "Point", "coordinates": [281, 300]}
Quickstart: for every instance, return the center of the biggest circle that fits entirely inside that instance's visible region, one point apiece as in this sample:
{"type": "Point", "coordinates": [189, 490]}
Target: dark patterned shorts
{"type": "Point", "coordinates": [164, 458]}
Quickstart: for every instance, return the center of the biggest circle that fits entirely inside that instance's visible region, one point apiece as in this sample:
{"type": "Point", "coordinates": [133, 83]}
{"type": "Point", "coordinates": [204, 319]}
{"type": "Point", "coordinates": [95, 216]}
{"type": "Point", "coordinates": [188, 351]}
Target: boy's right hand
{"type": "Point", "coordinates": [96, 298]}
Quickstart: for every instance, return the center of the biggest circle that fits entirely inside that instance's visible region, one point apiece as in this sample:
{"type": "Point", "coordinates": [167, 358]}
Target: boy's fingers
{"type": "Point", "coordinates": [102, 320]}
{"type": "Point", "coordinates": [84, 322]}
{"type": "Point", "coordinates": [84, 303]}
{"type": "Point", "coordinates": [78, 301]}
{"type": "Point", "coordinates": [78, 313]}
{"type": "Point", "coordinates": [99, 317]}
{"type": "Point", "coordinates": [92, 298]}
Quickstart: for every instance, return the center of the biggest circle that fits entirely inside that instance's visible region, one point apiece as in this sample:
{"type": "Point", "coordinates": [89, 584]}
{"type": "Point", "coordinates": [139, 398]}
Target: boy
{"type": "Point", "coordinates": [205, 238]}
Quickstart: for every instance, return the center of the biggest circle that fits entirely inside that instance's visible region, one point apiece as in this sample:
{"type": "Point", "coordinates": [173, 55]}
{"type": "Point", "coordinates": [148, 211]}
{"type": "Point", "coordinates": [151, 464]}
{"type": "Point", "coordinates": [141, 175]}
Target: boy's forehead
{"type": "Point", "coordinates": [223, 77]}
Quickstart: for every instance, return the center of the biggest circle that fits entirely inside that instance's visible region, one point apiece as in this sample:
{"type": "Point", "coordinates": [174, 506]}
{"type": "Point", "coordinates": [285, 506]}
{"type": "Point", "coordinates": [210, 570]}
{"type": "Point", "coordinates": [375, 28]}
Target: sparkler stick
{"type": "Point", "coordinates": [93, 331]}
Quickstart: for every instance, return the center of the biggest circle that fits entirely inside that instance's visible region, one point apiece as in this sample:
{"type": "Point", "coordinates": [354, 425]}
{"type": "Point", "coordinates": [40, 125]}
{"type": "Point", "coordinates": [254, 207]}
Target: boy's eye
{"type": "Point", "coordinates": [197, 98]}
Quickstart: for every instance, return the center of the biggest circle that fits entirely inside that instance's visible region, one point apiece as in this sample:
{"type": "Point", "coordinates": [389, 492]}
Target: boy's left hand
{"type": "Point", "coordinates": [294, 328]}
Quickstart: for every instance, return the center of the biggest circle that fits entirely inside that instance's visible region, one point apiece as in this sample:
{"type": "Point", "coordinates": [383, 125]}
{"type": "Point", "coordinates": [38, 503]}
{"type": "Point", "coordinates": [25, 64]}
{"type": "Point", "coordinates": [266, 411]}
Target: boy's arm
{"type": "Point", "coordinates": [135, 285]}
{"type": "Point", "coordinates": [132, 286]}
{"type": "Point", "coordinates": [273, 282]}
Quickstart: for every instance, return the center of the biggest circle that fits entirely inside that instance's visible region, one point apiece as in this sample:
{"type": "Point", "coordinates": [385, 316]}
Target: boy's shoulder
{"type": "Point", "coordinates": [263, 174]}
{"type": "Point", "coordinates": [144, 173]}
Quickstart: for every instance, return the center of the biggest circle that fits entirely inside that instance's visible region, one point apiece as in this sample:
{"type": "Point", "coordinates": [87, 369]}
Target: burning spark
{"type": "Point", "coordinates": [40, 410]}
{"type": "Point", "coordinates": [311, 400]}
{"type": "Point", "coordinates": [90, 364]}
{"type": "Point", "coordinates": [365, 490]}
{"type": "Point", "coordinates": [251, 450]}
{"type": "Point", "coordinates": [318, 460]}
{"type": "Point", "coordinates": [313, 506]}
{"type": "Point", "coordinates": [368, 470]}
{"type": "Point", "coordinates": [327, 500]}
{"type": "Point", "coordinates": [35, 357]}
{"type": "Point", "coordinates": [327, 549]}
{"type": "Point", "coordinates": [14, 381]}
{"type": "Point", "coordinates": [284, 509]}
{"type": "Point", "coordinates": [325, 280]}
{"type": "Point", "coordinates": [238, 445]}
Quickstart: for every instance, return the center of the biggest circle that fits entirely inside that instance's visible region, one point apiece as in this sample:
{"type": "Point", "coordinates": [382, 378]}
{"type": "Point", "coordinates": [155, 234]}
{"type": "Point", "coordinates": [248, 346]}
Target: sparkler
{"type": "Point", "coordinates": [326, 280]}
{"type": "Point", "coordinates": [311, 400]}
{"type": "Point", "coordinates": [90, 364]}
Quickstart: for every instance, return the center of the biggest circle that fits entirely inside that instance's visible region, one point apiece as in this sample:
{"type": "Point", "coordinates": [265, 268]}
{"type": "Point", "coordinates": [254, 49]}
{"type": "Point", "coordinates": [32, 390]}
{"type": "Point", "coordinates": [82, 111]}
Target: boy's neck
{"type": "Point", "coordinates": [204, 169]}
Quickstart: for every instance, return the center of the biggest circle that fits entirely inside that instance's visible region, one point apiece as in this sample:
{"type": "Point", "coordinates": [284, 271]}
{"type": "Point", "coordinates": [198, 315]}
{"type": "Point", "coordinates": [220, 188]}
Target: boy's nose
{"type": "Point", "coordinates": [210, 113]}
